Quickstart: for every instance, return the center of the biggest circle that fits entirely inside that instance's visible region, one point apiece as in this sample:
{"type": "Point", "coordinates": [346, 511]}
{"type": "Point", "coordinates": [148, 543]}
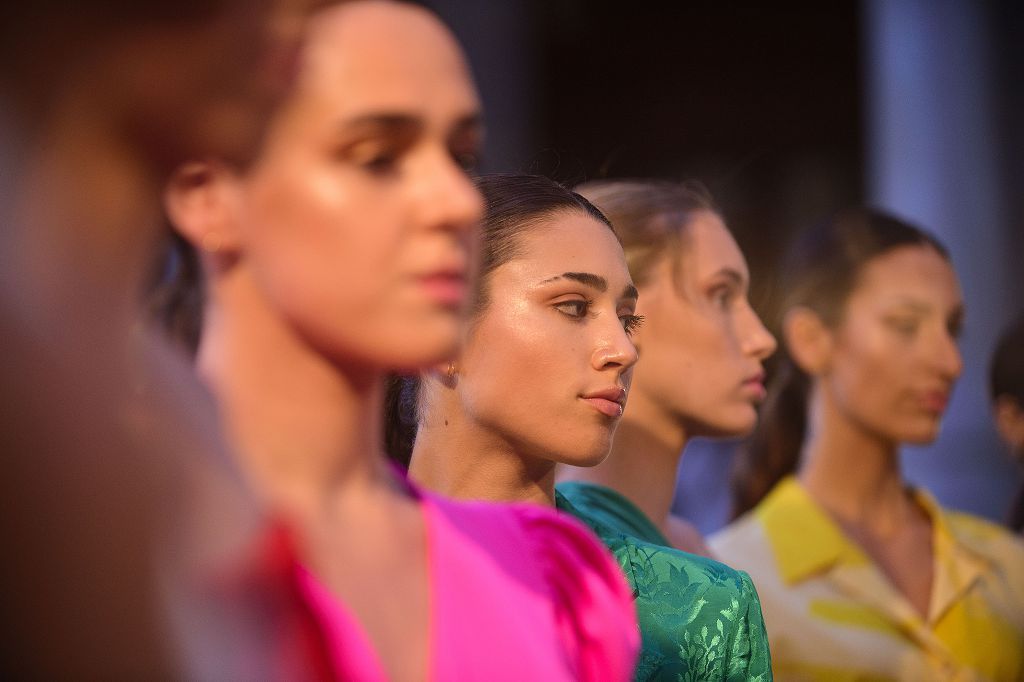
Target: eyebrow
{"type": "Point", "coordinates": [595, 282]}
{"type": "Point", "coordinates": [732, 274]}
{"type": "Point", "coordinates": [924, 308]}
{"type": "Point", "coordinates": [407, 123]}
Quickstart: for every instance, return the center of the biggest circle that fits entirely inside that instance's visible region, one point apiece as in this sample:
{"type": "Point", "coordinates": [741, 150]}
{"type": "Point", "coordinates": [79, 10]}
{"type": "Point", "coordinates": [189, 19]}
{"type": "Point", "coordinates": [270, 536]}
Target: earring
{"type": "Point", "coordinates": [210, 242]}
{"type": "Point", "coordinates": [451, 375]}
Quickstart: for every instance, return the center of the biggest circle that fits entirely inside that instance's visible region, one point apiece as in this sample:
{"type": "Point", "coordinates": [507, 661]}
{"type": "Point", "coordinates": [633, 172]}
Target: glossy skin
{"type": "Point", "coordinates": [893, 361]}
{"type": "Point", "coordinates": [549, 342]}
{"type": "Point", "coordinates": [358, 221]}
{"type": "Point", "coordinates": [702, 343]}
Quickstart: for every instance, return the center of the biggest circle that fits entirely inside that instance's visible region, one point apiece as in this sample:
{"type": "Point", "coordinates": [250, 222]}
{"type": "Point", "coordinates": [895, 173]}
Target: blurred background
{"type": "Point", "coordinates": [788, 111]}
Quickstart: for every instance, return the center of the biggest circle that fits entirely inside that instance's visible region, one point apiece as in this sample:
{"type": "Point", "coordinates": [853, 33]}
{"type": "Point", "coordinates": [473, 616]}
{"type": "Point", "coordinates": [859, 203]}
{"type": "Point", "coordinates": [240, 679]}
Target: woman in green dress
{"type": "Point", "coordinates": [542, 380]}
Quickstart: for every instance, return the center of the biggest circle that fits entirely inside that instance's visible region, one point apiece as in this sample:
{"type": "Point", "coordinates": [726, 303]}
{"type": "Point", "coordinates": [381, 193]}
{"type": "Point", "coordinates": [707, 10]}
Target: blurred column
{"type": "Point", "coordinates": [933, 156]}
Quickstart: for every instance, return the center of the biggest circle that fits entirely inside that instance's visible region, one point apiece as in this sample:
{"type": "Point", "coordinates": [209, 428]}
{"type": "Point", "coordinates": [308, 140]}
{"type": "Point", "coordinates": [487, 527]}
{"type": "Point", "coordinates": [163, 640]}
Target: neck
{"type": "Point", "coordinates": [456, 456]}
{"type": "Point", "coordinates": [307, 430]}
{"type": "Point", "coordinates": [645, 457]}
{"type": "Point", "coordinates": [870, 495]}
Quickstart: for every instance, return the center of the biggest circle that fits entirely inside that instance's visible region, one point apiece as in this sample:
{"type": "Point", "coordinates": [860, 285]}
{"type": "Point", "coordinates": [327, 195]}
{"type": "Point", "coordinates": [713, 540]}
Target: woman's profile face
{"type": "Point", "coordinates": [702, 343]}
{"type": "Point", "coordinates": [894, 356]}
{"type": "Point", "coordinates": [358, 221]}
{"type": "Point", "coordinates": [547, 364]}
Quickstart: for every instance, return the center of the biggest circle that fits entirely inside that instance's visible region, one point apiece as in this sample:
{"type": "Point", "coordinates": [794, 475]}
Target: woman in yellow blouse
{"type": "Point", "coordinates": [861, 577]}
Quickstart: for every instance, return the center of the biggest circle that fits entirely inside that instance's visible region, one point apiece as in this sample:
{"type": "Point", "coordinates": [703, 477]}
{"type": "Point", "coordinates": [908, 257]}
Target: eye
{"type": "Point", "coordinates": [722, 296]}
{"type": "Point", "coordinates": [631, 323]}
{"type": "Point", "coordinates": [904, 326]}
{"type": "Point", "coordinates": [384, 163]}
{"type": "Point", "coordinates": [955, 327]}
{"type": "Point", "coordinates": [468, 161]}
{"type": "Point", "coordinates": [575, 308]}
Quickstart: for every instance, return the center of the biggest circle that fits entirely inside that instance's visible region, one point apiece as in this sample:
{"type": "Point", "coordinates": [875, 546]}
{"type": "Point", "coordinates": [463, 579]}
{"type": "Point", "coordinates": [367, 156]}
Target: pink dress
{"type": "Point", "coordinates": [517, 592]}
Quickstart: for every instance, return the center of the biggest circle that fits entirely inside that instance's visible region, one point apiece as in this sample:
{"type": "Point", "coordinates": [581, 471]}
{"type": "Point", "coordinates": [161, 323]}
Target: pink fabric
{"type": "Point", "coordinates": [517, 592]}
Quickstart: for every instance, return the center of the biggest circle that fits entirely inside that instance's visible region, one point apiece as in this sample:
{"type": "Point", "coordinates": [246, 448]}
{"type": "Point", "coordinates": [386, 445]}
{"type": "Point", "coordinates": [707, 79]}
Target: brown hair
{"type": "Point", "coordinates": [1006, 379]}
{"type": "Point", "coordinates": [650, 217]}
{"type": "Point", "coordinates": [515, 205]}
{"type": "Point", "coordinates": [820, 272]}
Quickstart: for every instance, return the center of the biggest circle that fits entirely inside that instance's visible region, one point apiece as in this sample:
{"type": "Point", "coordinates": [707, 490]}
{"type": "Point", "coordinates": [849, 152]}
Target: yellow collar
{"type": "Point", "coordinates": [806, 542]}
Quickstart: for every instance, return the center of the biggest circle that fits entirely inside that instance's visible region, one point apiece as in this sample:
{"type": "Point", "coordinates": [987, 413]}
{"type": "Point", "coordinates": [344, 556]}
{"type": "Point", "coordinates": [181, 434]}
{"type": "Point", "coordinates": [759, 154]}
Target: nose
{"type": "Point", "coordinates": [615, 351]}
{"type": "Point", "coordinates": [947, 356]}
{"type": "Point", "coordinates": [448, 199]}
{"type": "Point", "coordinates": [756, 341]}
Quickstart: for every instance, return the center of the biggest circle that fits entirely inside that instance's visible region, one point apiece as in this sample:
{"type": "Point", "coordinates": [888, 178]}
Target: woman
{"type": "Point", "coordinates": [702, 348]}
{"type": "Point", "coordinates": [342, 253]}
{"type": "Point", "coordinates": [1006, 390]}
{"type": "Point", "coordinates": [119, 507]}
{"type": "Point", "coordinates": [860, 575]}
{"type": "Point", "coordinates": [542, 380]}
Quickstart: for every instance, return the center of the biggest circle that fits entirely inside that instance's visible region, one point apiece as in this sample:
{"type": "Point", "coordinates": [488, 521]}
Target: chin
{"type": "Point", "coordinates": [919, 431]}
{"type": "Point", "coordinates": [726, 426]}
{"type": "Point", "coordinates": [925, 436]}
{"type": "Point", "coordinates": [586, 457]}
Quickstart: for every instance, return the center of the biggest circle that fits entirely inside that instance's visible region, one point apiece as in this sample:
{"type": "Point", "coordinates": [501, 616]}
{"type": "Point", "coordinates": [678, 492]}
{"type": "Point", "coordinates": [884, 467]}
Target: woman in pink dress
{"type": "Point", "coordinates": [344, 252]}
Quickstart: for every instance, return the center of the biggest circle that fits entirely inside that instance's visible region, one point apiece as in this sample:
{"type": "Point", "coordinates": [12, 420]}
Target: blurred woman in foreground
{"type": "Point", "coordinates": [120, 507]}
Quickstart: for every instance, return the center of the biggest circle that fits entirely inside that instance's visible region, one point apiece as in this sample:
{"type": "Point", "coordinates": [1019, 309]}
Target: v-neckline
{"type": "Point", "coordinates": [343, 629]}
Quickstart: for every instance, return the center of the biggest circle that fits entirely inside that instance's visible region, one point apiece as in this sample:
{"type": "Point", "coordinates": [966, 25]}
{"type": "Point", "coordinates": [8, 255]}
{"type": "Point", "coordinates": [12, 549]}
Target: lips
{"type": "Point", "coordinates": [935, 401]}
{"type": "Point", "coordinates": [754, 385]}
{"type": "Point", "coordinates": [449, 287]}
{"type": "Point", "coordinates": [608, 401]}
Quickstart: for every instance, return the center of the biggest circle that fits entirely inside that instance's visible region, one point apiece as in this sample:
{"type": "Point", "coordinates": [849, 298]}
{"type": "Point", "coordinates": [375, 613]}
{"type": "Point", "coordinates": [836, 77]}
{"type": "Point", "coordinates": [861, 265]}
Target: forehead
{"type": "Point", "coordinates": [570, 241]}
{"type": "Point", "coordinates": [909, 274]}
{"type": "Point", "coordinates": [385, 55]}
{"type": "Point", "coordinates": [708, 247]}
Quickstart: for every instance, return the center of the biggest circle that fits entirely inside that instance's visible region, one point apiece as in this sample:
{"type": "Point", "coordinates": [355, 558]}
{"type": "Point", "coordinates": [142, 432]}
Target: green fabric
{"type": "Point", "coordinates": [612, 509]}
{"type": "Point", "coordinates": [699, 619]}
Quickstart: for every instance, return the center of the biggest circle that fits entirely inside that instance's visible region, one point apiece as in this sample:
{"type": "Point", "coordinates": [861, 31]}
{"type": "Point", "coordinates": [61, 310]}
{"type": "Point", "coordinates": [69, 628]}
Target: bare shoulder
{"type": "Point", "coordinates": [685, 536]}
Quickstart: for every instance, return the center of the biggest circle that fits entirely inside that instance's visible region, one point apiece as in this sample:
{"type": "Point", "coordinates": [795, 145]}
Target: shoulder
{"type": "Point", "coordinates": [601, 506]}
{"type": "Point", "coordinates": [1000, 547]}
{"type": "Point", "coordinates": [741, 540]}
{"type": "Point", "coordinates": [981, 532]}
{"type": "Point", "coordinates": [655, 570]}
{"type": "Point", "coordinates": [685, 536]}
{"type": "Point", "coordinates": [592, 604]}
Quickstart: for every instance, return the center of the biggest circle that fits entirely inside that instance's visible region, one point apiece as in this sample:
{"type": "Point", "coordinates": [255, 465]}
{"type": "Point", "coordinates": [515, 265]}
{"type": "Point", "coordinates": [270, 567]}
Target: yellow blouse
{"type": "Point", "coordinates": [831, 614]}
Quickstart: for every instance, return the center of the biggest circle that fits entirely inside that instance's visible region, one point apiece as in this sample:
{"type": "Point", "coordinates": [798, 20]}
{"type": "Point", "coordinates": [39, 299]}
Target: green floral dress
{"type": "Point", "coordinates": [699, 619]}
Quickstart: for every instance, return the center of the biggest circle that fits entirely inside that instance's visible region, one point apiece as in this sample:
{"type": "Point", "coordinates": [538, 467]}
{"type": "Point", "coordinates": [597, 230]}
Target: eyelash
{"type": "Point", "coordinates": [467, 161]}
{"type": "Point", "coordinates": [630, 323]}
{"type": "Point", "coordinates": [904, 327]}
{"type": "Point", "coordinates": [722, 297]}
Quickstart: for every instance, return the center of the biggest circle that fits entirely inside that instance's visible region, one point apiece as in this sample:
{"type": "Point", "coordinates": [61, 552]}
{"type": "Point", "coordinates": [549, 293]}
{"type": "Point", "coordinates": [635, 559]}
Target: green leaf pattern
{"type": "Point", "coordinates": [699, 619]}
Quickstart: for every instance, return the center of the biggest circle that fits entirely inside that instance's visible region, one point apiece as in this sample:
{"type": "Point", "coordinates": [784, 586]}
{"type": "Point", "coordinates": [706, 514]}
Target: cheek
{"type": "Point", "coordinates": [331, 263]}
{"type": "Point", "coordinates": [866, 383]}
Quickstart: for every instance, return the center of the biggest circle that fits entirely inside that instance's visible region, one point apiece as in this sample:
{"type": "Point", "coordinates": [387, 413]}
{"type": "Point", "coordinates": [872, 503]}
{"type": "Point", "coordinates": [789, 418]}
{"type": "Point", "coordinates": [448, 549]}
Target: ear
{"type": "Point", "coordinates": [447, 373]}
{"type": "Point", "coordinates": [201, 200]}
{"type": "Point", "coordinates": [1009, 416]}
{"type": "Point", "coordinates": [808, 340]}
